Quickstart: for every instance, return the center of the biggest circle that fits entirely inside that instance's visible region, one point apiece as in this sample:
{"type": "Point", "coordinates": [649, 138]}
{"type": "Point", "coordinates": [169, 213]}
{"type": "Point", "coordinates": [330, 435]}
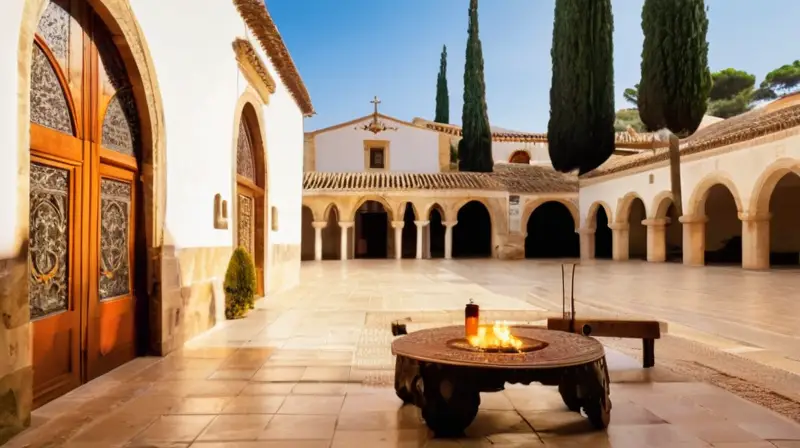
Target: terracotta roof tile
{"type": "Point", "coordinates": [519, 178]}
{"type": "Point", "coordinates": [748, 126]}
{"type": "Point", "coordinates": [623, 139]}
{"type": "Point", "coordinates": [257, 18]}
{"type": "Point", "coordinates": [506, 177]}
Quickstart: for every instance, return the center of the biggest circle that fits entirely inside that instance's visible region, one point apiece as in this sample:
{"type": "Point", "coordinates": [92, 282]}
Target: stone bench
{"type": "Point", "coordinates": [646, 330]}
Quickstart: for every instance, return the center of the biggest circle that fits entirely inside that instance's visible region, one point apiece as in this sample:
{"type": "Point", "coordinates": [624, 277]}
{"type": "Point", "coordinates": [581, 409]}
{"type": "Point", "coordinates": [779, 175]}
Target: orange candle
{"type": "Point", "coordinates": [471, 319]}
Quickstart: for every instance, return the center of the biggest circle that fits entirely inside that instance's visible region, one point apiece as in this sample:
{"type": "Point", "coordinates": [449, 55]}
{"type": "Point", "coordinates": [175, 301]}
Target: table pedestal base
{"type": "Point", "coordinates": [449, 395]}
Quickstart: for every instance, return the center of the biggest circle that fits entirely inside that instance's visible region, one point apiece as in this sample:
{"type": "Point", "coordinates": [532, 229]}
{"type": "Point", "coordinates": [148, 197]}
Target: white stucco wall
{"type": "Point", "coordinates": [200, 84]}
{"type": "Point", "coordinates": [744, 165]}
{"type": "Point", "coordinates": [411, 149]}
{"type": "Point", "coordinates": [10, 121]}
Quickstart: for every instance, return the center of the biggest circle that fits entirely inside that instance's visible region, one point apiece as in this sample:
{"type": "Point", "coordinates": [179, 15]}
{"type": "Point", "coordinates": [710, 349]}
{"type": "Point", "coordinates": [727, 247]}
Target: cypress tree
{"type": "Point", "coordinates": [580, 133]}
{"type": "Point", "coordinates": [676, 81]}
{"type": "Point", "coordinates": [475, 147]}
{"type": "Point", "coordinates": [442, 96]}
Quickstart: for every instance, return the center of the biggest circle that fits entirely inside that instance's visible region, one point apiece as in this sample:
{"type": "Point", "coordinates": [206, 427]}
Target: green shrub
{"type": "Point", "coordinates": [240, 284]}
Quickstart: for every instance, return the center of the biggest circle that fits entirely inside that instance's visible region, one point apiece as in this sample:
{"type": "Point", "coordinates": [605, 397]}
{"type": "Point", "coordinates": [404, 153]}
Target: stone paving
{"type": "Point", "coordinates": [311, 368]}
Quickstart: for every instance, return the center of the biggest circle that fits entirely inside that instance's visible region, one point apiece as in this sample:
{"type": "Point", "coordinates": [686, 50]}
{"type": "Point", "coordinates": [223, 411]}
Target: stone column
{"type": "Point", "coordinates": [755, 241]}
{"type": "Point", "coordinates": [587, 242]}
{"type": "Point", "coordinates": [656, 239]}
{"type": "Point", "coordinates": [398, 238]}
{"type": "Point", "coordinates": [426, 243]}
{"type": "Point", "coordinates": [420, 229]}
{"type": "Point", "coordinates": [694, 240]}
{"type": "Point", "coordinates": [448, 238]}
{"type": "Point", "coordinates": [620, 240]}
{"type": "Point", "coordinates": [318, 226]}
{"type": "Point", "coordinates": [343, 248]}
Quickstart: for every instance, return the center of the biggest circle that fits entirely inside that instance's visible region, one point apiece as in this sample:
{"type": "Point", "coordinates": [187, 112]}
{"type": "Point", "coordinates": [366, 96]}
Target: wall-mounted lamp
{"type": "Point", "coordinates": [220, 212]}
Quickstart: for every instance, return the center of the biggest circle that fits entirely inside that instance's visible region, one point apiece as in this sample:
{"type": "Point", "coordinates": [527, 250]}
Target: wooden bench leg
{"type": "Point", "coordinates": [649, 353]}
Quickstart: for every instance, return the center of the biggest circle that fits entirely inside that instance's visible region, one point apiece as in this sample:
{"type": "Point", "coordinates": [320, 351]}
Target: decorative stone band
{"type": "Point", "coordinates": [754, 217]}
{"type": "Point", "coordinates": [449, 223]}
{"type": "Point", "coordinates": [689, 219]}
{"type": "Point", "coordinates": [587, 230]}
{"type": "Point", "coordinates": [346, 224]}
{"type": "Point", "coordinates": [422, 223]}
{"type": "Point", "coordinates": [655, 222]}
{"type": "Point", "coordinates": [319, 224]}
{"type": "Point", "coordinates": [619, 226]}
{"type": "Point", "coordinates": [398, 224]}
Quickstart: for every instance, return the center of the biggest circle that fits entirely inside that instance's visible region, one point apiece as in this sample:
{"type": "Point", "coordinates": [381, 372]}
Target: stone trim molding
{"type": "Point", "coordinates": [253, 69]}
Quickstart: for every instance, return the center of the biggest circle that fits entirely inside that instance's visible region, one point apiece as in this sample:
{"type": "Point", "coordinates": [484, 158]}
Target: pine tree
{"type": "Point", "coordinates": [442, 96]}
{"type": "Point", "coordinates": [676, 81]}
{"type": "Point", "coordinates": [580, 133]}
{"type": "Point", "coordinates": [475, 147]}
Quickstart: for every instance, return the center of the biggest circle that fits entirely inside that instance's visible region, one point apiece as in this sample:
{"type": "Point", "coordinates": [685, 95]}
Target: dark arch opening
{"type": "Point", "coordinates": [436, 233]}
{"type": "Point", "coordinates": [602, 235]}
{"type": "Point", "coordinates": [521, 157]}
{"type": "Point", "coordinates": [723, 229]}
{"type": "Point", "coordinates": [637, 232]}
{"type": "Point", "coordinates": [551, 233]}
{"type": "Point", "coordinates": [673, 233]}
{"type": "Point", "coordinates": [472, 236]}
{"type": "Point", "coordinates": [372, 231]}
{"type": "Point", "coordinates": [410, 236]}
{"type": "Point", "coordinates": [307, 235]}
{"type": "Point", "coordinates": [331, 236]}
{"type": "Point", "coordinates": [784, 205]}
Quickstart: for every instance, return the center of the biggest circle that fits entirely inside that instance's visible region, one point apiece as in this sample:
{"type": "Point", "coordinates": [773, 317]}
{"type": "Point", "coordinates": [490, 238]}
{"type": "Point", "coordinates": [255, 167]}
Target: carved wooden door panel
{"type": "Point", "coordinates": [112, 309]}
{"type": "Point", "coordinates": [246, 220]}
{"type": "Point", "coordinates": [54, 276]}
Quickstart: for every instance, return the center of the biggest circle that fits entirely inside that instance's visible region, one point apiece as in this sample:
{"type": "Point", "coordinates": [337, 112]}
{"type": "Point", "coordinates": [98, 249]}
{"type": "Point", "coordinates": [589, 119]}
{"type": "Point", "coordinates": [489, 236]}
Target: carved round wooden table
{"type": "Point", "coordinates": [435, 372]}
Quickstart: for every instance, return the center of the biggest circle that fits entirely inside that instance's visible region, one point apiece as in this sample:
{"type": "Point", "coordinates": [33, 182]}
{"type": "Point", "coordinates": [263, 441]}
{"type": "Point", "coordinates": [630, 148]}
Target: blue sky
{"type": "Point", "coordinates": [347, 51]}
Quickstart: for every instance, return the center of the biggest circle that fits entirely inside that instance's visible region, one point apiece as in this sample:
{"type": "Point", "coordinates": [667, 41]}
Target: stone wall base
{"type": "Point", "coordinates": [16, 398]}
{"type": "Point", "coordinates": [283, 270]}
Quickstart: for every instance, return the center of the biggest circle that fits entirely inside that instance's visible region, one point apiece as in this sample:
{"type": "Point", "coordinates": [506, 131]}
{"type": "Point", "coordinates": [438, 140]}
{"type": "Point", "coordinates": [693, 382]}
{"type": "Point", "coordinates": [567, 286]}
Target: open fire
{"type": "Point", "coordinates": [495, 337]}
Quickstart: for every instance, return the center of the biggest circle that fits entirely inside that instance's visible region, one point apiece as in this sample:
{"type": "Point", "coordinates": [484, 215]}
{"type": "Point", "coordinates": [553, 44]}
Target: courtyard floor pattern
{"type": "Point", "coordinates": [312, 367]}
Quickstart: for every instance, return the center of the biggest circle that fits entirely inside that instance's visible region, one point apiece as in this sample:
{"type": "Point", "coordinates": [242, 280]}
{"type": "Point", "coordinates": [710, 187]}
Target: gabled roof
{"type": "Point", "coordinates": [748, 126]}
{"type": "Point", "coordinates": [257, 18]}
{"type": "Point", "coordinates": [360, 119]}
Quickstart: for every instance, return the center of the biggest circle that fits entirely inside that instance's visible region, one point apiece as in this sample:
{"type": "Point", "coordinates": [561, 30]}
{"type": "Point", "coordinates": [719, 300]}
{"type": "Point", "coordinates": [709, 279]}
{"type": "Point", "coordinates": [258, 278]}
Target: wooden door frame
{"type": "Point", "coordinates": [249, 188]}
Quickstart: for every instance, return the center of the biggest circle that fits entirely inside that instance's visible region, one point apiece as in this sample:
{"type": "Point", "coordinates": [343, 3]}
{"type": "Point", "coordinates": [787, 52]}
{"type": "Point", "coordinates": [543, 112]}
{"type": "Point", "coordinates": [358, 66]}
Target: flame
{"type": "Point", "coordinates": [500, 337]}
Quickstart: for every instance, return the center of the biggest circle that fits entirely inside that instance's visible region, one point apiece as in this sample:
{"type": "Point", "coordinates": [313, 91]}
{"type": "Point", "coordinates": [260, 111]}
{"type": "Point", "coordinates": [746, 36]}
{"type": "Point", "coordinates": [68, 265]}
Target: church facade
{"type": "Point", "coordinates": [138, 151]}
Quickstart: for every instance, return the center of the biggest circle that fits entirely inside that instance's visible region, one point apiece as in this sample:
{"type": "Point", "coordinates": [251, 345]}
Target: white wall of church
{"type": "Point", "coordinates": [10, 123]}
{"type": "Point", "coordinates": [411, 149]}
{"type": "Point", "coordinates": [198, 78]}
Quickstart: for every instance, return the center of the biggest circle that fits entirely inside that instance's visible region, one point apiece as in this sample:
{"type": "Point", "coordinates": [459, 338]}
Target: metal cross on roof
{"type": "Point", "coordinates": [375, 126]}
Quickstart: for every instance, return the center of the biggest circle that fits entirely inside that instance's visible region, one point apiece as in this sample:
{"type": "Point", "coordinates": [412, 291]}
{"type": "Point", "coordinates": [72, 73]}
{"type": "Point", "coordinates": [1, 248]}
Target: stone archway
{"type": "Point", "coordinates": [551, 232]}
{"type": "Point", "coordinates": [520, 156]}
{"type": "Point", "coordinates": [409, 233]}
{"type": "Point", "coordinates": [472, 236]}
{"type": "Point", "coordinates": [123, 176]}
{"type": "Point", "coordinates": [250, 202]}
{"type": "Point", "coordinates": [597, 225]}
{"type": "Point", "coordinates": [331, 234]}
{"type": "Point", "coordinates": [437, 232]}
{"type": "Point", "coordinates": [637, 231]}
{"type": "Point", "coordinates": [372, 221]}
{"type": "Point", "coordinates": [665, 231]}
{"type": "Point", "coordinates": [723, 230]}
{"type": "Point", "coordinates": [770, 230]}
{"type": "Point", "coordinates": [307, 234]}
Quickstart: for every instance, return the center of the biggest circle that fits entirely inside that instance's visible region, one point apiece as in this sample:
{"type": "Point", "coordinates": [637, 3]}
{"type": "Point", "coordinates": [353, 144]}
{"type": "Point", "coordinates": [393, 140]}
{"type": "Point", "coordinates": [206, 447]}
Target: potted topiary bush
{"type": "Point", "coordinates": [240, 284]}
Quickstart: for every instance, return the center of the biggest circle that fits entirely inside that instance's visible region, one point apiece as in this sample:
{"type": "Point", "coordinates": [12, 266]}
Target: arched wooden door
{"type": "Point", "coordinates": [85, 139]}
{"type": "Point", "coordinates": [251, 192]}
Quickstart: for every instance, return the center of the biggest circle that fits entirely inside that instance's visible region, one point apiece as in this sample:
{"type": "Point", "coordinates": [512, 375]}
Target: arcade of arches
{"type": "Point", "coordinates": [714, 230]}
{"type": "Point", "coordinates": [373, 231]}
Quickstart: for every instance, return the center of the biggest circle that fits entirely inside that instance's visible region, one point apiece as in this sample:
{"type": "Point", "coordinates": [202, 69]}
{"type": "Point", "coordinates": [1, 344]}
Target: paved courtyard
{"type": "Point", "coordinates": [313, 368]}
